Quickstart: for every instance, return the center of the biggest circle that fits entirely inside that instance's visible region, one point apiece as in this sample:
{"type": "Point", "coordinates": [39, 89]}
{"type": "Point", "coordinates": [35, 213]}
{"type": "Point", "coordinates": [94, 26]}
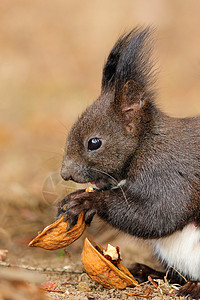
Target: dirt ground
{"type": "Point", "coordinates": [72, 282]}
{"type": "Point", "coordinates": [64, 270]}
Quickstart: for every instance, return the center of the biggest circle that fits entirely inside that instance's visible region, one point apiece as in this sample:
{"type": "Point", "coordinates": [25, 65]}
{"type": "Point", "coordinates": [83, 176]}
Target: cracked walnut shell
{"type": "Point", "coordinates": [103, 270]}
{"type": "Point", "coordinates": [56, 236]}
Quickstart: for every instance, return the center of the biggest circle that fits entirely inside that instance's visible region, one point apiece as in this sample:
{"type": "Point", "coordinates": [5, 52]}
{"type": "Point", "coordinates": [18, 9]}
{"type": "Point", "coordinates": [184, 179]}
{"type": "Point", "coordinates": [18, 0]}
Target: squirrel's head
{"type": "Point", "coordinates": [102, 143]}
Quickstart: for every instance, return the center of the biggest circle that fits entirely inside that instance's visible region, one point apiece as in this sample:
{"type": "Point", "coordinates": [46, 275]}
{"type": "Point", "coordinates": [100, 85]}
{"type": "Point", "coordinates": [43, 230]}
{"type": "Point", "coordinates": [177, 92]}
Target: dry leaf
{"type": "Point", "coordinates": [104, 271]}
{"type": "Point", "coordinates": [56, 236]}
{"type": "Point", "coordinates": [3, 254]}
{"type": "Point", "coordinates": [18, 284]}
{"type": "Point", "coordinates": [49, 286]}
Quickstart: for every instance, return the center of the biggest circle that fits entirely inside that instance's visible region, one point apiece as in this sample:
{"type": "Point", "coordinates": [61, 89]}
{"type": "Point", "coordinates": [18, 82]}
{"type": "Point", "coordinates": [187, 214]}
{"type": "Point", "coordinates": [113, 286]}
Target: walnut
{"type": "Point", "coordinates": [103, 269]}
{"type": "Point", "coordinates": [56, 236]}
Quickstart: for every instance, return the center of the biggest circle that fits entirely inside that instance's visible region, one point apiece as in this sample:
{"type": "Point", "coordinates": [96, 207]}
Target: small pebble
{"type": "Point", "coordinates": [83, 286]}
{"type": "Point", "coordinates": [49, 269]}
{"type": "Point", "coordinates": [67, 268]}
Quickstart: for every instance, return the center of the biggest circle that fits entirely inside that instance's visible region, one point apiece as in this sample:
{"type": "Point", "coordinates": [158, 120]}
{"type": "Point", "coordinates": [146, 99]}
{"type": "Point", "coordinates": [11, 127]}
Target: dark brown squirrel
{"type": "Point", "coordinates": [145, 164]}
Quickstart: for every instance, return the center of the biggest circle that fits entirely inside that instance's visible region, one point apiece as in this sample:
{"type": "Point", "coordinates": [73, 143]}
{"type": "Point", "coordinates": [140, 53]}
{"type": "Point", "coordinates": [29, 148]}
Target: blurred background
{"type": "Point", "coordinates": [51, 58]}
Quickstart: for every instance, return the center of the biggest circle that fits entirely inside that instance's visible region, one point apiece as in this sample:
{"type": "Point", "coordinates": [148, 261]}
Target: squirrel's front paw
{"type": "Point", "coordinates": [73, 204]}
{"type": "Point", "coordinates": [190, 290]}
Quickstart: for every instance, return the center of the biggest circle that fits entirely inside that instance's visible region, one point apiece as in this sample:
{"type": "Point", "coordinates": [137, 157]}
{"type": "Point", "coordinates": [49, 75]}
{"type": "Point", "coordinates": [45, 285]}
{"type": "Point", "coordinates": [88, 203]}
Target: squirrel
{"type": "Point", "coordinates": [145, 164]}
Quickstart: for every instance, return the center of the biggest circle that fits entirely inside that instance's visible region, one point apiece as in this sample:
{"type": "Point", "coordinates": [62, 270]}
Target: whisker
{"type": "Point", "coordinates": [63, 125]}
{"type": "Point", "coordinates": [56, 159]}
{"type": "Point", "coordinates": [56, 153]}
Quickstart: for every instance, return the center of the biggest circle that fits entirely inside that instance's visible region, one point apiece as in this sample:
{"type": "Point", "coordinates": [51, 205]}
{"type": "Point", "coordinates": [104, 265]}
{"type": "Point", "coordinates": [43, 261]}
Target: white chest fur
{"type": "Point", "coordinates": [181, 250]}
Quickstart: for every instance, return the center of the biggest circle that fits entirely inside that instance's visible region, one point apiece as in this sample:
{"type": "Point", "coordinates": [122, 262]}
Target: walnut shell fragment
{"type": "Point", "coordinates": [103, 271]}
{"type": "Point", "coordinates": [56, 236]}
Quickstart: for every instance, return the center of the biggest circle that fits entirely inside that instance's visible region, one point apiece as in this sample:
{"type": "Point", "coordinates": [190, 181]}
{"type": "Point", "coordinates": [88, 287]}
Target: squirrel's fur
{"type": "Point", "coordinates": [155, 156]}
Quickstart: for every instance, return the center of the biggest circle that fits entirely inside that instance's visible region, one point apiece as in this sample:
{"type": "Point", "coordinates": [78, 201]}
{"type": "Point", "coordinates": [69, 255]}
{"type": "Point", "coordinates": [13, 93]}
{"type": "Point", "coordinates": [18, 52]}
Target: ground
{"type": "Point", "coordinates": [65, 272]}
{"type": "Point", "coordinates": [63, 268]}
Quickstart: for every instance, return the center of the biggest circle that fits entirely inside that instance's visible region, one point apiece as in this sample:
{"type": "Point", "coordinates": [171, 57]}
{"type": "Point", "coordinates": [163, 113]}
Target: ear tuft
{"type": "Point", "coordinates": [130, 59]}
{"type": "Point", "coordinates": [135, 62]}
{"type": "Point", "coordinates": [110, 67]}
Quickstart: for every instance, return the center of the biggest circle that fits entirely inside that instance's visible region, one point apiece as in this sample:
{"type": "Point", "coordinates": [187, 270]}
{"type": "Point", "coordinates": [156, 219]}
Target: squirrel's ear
{"type": "Point", "coordinates": [131, 102]}
{"type": "Point", "coordinates": [132, 96]}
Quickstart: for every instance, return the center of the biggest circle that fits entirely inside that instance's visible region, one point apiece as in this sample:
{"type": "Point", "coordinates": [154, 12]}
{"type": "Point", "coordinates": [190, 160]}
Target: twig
{"type": "Point", "coordinates": [55, 291]}
{"type": "Point", "coordinates": [40, 269]}
{"type": "Point", "coordinates": [138, 295]}
{"type": "Point", "coordinates": [152, 282]}
{"type": "Point", "coordinates": [147, 293]}
{"type": "Point", "coordinates": [178, 273]}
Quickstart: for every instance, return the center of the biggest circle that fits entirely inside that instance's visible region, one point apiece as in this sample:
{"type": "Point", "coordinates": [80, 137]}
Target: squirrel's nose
{"type": "Point", "coordinates": [65, 177]}
{"type": "Point", "coordinates": [67, 170]}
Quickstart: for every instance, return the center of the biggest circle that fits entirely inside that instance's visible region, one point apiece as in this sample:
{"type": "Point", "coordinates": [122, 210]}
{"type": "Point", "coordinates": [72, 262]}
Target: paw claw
{"type": "Point", "coordinates": [69, 226]}
{"type": "Point", "coordinates": [73, 204]}
{"type": "Point", "coordinates": [72, 220]}
{"type": "Point", "coordinates": [89, 216]}
{"type": "Point", "coordinates": [65, 217]}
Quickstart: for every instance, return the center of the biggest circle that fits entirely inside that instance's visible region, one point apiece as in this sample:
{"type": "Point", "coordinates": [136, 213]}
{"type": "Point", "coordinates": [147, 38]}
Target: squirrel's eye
{"type": "Point", "coordinates": [94, 144]}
